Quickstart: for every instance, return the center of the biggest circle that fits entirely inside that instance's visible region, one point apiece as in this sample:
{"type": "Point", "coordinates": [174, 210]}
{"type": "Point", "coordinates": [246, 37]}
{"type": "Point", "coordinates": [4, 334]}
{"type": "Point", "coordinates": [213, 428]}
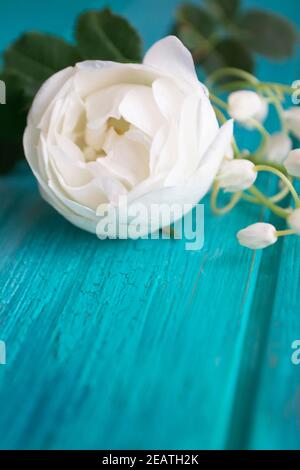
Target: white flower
{"type": "Point", "coordinates": [292, 163]}
{"type": "Point", "coordinates": [100, 131]}
{"type": "Point", "coordinates": [294, 221]}
{"type": "Point", "coordinates": [292, 118]}
{"type": "Point", "coordinates": [257, 236]}
{"type": "Point", "coordinates": [278, 147]}
{"type": "Point", "coordinates": [236, 175]}
{"type": "Point", "coordinates": [245, 105]}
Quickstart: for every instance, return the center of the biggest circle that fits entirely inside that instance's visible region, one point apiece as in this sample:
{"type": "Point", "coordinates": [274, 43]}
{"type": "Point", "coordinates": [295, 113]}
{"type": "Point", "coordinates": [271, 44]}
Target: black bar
{"type": "Point", "coordinates": [134, 459]}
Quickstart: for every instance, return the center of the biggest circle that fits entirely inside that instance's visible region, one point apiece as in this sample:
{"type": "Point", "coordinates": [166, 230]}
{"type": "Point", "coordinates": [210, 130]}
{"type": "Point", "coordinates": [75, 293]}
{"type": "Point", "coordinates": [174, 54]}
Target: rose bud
{"type": "Point", "coordinates": [236, 175]}
{"type": "Point", "coordinates": [257, 236]}
{"type": "Point", "coordinates": [102, 131]}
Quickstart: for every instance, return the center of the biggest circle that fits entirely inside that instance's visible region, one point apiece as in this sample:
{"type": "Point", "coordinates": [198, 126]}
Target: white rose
{"type": "Point", "coordinates": [102, 130]}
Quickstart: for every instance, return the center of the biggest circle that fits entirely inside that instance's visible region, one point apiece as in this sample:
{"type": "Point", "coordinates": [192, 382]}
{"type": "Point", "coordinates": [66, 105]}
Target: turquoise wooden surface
{"type": "Point", "coordinates": [123, 344]}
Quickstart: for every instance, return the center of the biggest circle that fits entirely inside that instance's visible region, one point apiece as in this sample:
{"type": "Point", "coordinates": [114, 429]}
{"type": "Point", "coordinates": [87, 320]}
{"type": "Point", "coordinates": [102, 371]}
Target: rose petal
{"type": "Point", "coordinates": [139, 108]}
{"type": "Point", "coordinates": [128, 161]}
{"type": "Point", "coordinates": [172, 58]}
{"type": "Point", "coordinates": [168, 97]}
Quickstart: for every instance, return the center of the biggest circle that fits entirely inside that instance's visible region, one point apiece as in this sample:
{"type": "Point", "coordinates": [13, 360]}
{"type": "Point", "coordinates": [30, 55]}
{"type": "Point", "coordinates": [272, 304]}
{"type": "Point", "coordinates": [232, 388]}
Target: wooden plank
{"type": "Point", "coordinates": [105, 334]}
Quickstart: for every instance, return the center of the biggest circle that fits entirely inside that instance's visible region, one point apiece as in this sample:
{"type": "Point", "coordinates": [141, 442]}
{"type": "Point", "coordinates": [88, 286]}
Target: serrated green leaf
{"type": "Point", "coordinates": [268, 34]}
{"type": "Point", "coordinates": [229, 53]}
{"type": "Point", "coordinates": [195, 19]}
{"type": "Point", "coordinates": [227, 9]}
{"type": "Point", "coordinates": [35, 57]}
{"type": "Point", "coordinates": [105, 36]}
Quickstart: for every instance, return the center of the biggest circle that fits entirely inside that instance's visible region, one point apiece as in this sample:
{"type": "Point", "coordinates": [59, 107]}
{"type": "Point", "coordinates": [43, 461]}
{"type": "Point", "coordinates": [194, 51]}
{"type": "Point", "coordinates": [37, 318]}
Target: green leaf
{"type": "Point", "coordinates": [105, 36]}
{"type": "Point", "coordinates": [229, 53]}
{"type": "Point", "coordinates": [35, 57]}
{"type": "Point", "coordinates": [12, 122]}
{"type": "Point", "coordinates": [195, 19]}
{"type": "Point", "coordinates": [197, 44]}
{"type": "Point", "coordinates": [227, 9]}
{"type": "Point", "coordinates": [13, 113]}
{"type": "Point", "coordinates": [268, 34]}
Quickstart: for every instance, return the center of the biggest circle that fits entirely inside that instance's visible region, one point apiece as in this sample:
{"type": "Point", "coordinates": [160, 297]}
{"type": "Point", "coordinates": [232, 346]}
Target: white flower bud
{"type": "Point", "coordinates": [278, 147]}
{"type": "Point", "coordinates": [245, 105]}
{"type": "Point", "coordinates": [236, 175]}
{"type": "Point", "coordinates": [292, 119]}
{"type": "Point", "coordinates": [292, 163]}
{"type": "Point", "coordinates": [257, 236]}
{"type": "Point", "coordinates": [294, 221]}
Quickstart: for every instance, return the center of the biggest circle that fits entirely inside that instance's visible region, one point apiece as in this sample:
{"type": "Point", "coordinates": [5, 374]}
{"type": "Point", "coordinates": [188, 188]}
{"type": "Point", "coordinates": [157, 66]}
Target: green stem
{"type": "Point", "coordinates": [283, 178]}
{"type": "Point", "coordinates": [218, 101]}
{"type": "Point", "coordinates": [265, 137]}
{"type": "Point", "coordinates": [279, 109]}
{"type": "Point", "coordinates": [265, 201]}
{"type": "Point", "coordinates": [258, 161]}
{"type": "Point", "coordinates": [283, 233]}
{"type": "Point", "coordinates": [224, 210]}
{"type": "Point", "coordinates": [260, 86]}
{"type": "Point", "coordinates": [281, 195]}
{"type": "Point", "coordinates": [231, 72]}
{"type": "Point", "coordinates": [251, 199]}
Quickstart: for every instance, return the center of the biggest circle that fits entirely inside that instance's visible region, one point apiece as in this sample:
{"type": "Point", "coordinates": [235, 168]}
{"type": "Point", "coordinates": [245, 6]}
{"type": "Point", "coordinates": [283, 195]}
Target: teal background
{"type": "Point", "coordinates": [141, 344]}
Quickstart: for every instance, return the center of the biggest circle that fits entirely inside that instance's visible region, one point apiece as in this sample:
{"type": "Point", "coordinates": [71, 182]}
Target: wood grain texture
{"type": "Point", "coordinates": [141, 344]}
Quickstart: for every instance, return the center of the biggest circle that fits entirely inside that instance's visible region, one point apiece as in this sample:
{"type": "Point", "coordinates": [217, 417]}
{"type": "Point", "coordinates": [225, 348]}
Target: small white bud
{"type": "Point", "coordinates": [292, 119]}
{"type": "Point", "coordinates": [294, 221]}
{"type": "Point", "coordinates": [245, 105]}
{"type": "Point", "coordinates": [278, 147]}
{"type": "Point", "coordinates": [257, 236]}
{"type": "Point", "coordinates": [236, 175]}
{"type": "Point", "coordinates": [292, 163]}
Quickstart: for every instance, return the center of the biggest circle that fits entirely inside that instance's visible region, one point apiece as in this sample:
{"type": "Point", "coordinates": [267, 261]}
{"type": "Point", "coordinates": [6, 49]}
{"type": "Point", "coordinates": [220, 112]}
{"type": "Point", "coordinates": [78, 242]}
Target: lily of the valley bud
{"type": "Point", "coordinates": [278, 147]}
{"type": "Point", "coordinates": [245, 105]}
{"type": "Point", "coordinates": [236, 175]}
{"type": "Point", "coordinates": [292, 163]}
{"type": "Point", "coordinates": [257, 236]}
{"type": "Point", "coordinates": [292, 118]}
{"type": "Point", "coordinates": [294, 221]}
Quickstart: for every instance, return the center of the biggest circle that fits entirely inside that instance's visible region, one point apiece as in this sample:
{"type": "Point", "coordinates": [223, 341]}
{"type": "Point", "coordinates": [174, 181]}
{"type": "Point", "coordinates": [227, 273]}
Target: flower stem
{"type": "Point", "coordinates": [281, 195]}
{"type": "Point", "coordinates": [283, 233]}
{"type": "Point", "coordinates": [264, 135]}
{"type": "Point", "coordinates": [283, 178]}
{"type": "Point", "coordinates": [231, 72]}
{"type": "Point", "coordinates": [259, 86]}
{"type": "Point", "coordinates": [265, 201]}
{"type": "Point", "coordinates": [218, 101]}
{"type": "Point", "coordinates": [224, 210]}
{"type": "Point", "coordinates": [279, 109]}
